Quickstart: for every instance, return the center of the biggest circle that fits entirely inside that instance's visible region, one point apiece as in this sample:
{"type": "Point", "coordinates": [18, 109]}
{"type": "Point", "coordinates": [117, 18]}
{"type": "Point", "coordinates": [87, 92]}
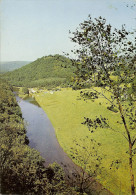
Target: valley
{"type": "Point", "coordinates": [67, 108]}
{"type": "Point", "coordinates": [68, 97]}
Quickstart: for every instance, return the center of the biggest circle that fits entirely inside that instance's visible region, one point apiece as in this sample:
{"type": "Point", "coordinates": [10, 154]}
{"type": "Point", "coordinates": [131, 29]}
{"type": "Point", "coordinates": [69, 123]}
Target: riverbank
{"type": "Point", "coordinates": [42, 137]}
{"type": "Point", "coordinates": [66, 110]}
{"type": "Point", "coordinates": [22, 169]}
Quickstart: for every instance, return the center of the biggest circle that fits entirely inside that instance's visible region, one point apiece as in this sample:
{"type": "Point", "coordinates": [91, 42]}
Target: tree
{"type": "Point", "coordinates": [89, 158]}
{"type": "Point", "coordinates": [57, 180]}
{"type": "Point", "coordinates": [25, 90]}
{"type": "Point", "coordinates": [106, 58]}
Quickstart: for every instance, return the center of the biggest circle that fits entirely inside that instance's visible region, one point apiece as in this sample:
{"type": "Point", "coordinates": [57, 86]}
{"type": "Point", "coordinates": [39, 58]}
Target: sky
{"type": "Point", "coordinates": [30, 29]}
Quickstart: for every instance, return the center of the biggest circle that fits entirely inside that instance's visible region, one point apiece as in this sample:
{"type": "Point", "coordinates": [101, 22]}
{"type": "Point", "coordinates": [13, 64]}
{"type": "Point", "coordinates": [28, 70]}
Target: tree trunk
{"type": "Point", "coordinates": [82, 182]}
{"type": "Point", "coordinates": [130, 148]}
{"type": "Point", "coordinates": [131, 169]}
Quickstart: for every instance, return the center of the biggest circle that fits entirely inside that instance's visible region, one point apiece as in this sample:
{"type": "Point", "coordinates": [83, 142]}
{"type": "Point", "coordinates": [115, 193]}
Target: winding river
{"type": "Point", "coordinates": [42, 137]}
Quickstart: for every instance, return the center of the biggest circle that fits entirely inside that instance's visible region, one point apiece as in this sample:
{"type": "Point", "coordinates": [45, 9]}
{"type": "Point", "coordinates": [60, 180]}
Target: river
{"type": "Point", "coordinates": [41, 135]}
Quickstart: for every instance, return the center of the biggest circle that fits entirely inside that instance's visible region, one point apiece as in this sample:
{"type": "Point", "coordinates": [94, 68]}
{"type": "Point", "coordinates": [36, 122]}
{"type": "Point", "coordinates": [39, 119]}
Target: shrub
{"type": "Point", "coordinates": [25, 90]}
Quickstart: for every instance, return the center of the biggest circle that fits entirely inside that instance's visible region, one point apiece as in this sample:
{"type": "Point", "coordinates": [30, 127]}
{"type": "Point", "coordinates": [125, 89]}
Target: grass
{"type": "Point", "coordinates": [66, 110]}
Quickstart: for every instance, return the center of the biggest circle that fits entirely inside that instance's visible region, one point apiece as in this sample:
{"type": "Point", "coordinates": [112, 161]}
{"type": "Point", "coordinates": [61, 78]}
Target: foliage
{"type": "Point", "coordinates": [107, 56]}
{"type": "Point", "coordinates": [25, 90]}
{"type": "Point", "coordinates": [90, 159]}
{"type": "Point", "coordinates": [48, 71]}
{"type": "Point", "coordinates": [112, 108]}
{"type": "Point", "coordinates": [56, 178]}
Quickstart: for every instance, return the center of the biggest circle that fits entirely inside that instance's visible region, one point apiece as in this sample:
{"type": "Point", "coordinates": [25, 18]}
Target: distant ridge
{"type": "Point", "coordinates": [48, 71]}
{"type": "Point", "coordinates": [7, 66]}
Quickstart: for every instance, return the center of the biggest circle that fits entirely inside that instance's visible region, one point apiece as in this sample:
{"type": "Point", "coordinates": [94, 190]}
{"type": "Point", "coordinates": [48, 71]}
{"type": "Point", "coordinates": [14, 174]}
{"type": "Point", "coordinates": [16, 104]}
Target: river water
{"type": "Point", "coordinates": [41, 135]}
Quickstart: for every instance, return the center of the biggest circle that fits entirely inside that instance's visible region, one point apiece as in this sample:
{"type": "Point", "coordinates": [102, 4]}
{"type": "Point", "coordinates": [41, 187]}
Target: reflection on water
{"type": "Point", "coordinates": [31, 100]}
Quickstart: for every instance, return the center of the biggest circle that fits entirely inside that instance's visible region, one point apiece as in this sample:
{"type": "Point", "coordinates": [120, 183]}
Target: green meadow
{"type": "Point", "coordinates": [66, 110]}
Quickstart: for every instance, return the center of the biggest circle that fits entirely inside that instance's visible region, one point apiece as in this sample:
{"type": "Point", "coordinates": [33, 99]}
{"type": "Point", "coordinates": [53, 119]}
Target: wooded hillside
{"type": "Point", "coordinates": [48, 71]}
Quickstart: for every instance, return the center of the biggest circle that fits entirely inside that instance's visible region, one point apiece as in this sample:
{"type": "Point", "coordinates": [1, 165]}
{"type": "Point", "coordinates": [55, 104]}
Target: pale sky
{"type": "Point", "coordinates": [31, 29]}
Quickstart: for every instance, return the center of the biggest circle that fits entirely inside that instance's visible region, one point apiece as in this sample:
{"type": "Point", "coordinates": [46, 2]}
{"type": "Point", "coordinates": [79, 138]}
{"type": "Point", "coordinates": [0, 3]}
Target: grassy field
{"type": "Point", "coordinates": [66, 110]}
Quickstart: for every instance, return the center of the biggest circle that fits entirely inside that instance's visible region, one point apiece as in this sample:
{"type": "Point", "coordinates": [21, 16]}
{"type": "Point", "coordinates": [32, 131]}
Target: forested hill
{"type": "Point", "coordinates": [11, 65]}
{"type": "Point", "coordinates": [48, 71]}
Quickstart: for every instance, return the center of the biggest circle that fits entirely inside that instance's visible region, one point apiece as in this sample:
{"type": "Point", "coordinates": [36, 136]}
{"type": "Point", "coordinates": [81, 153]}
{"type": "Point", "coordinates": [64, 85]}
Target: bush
{"type": "Point", "coordinates": [25, 90]}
